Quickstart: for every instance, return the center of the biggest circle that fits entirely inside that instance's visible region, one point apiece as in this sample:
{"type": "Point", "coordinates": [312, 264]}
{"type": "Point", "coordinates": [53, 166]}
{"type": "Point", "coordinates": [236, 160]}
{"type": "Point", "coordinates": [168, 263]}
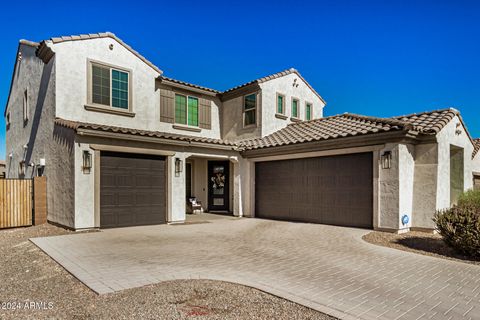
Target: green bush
{"type": "Point", "coordinates": [470, 198]}
{"type": "Point", "coordinates": [460, 225]}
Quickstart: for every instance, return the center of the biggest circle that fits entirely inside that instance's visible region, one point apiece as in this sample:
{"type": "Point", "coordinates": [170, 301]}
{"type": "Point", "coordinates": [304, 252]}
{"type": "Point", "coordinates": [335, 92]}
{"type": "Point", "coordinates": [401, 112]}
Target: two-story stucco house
{"type": "Point", "coordinates": [123, 145]}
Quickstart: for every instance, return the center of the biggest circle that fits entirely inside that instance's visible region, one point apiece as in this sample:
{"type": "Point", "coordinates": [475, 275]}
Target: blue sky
{"type": "Point", "coordinates": [380, 58]}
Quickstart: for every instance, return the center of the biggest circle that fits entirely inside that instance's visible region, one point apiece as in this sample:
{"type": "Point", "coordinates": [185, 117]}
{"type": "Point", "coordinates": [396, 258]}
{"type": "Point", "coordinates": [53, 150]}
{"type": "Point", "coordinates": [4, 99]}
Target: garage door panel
{"type": "Point", "coordinates": [334, 190]}
{"type": "Point", "coordinates": [132, 190]}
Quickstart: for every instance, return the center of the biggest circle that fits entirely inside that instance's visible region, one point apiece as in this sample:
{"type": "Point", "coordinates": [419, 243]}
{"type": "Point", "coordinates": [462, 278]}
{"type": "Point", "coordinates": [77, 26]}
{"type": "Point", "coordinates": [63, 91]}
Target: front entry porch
{"type": "Point", "coordinates": [218, 179]}
{"type": "Point", "coordinates": [209, 186]}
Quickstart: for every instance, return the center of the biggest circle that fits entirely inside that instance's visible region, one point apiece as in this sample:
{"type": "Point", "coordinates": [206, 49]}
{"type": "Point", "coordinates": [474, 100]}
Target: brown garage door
{"type": "Point", "coordinates": [335, 190]}
{"type": "Point", "coordinates": [132, 190]}
{"type": "Point", "coordinates": [476, 182]}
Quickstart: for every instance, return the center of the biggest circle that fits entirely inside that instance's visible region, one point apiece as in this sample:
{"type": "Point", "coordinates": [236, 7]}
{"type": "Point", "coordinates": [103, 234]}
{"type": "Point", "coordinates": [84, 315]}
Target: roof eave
{"type": "Point", "coordinates": [187, 87]}
{"type": "Point", "coordinates": [141, 138]}
{"type": "Point", "coordinates": [405, 136]}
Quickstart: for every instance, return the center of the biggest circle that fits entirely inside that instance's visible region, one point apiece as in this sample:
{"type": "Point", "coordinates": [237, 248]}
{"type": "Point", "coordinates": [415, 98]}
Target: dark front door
{"type": "Point", "coordinates": [132, 190]}
{"type": "Point", "coordinates": [218, 182]}
{"type": "Point", "coordinates": [336, 190]}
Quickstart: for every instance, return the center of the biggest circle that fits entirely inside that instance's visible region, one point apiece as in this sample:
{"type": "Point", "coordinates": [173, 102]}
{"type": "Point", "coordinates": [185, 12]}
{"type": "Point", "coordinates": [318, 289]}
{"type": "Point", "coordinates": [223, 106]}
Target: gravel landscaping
{"type": "Point", "coordinates": [28, 275]}
{"type": "Point", "coordinates": [418, 242]}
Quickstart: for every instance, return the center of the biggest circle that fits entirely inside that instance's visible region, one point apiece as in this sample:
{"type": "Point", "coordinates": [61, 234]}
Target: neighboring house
{"type": "Point", "coordinates": [123, 145]}
{"type": "Point", "coordinates": [476, 164]}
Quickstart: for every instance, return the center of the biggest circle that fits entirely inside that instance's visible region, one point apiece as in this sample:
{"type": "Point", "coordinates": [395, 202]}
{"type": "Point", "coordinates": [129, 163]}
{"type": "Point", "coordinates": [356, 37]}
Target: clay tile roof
{"type": "Point", "coordinates": [76, 125]}
{"type": "Point", "coordinates": [188, 84]}
{"type": "Point", "coordinates": [430, 122]}
{"type": "Point", "coordinates": [333, 127]}
{"type": "Point", "coordinates": [104, 35]}
{"type": "Point", "coordinates": [275, 76]}
{"type": "Point", "coordinates": [345, 125]}
{"type": "Point", "coordinates": [349, 125]}
{"type": "Point", "coordinates": [476, 145]}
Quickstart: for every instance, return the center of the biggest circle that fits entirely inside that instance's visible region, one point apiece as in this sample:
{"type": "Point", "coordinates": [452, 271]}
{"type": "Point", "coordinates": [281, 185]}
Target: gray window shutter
{"type": "Point", "coordinates": [205, 114]}
{"type": "Point", "coordinates": [167, 106]}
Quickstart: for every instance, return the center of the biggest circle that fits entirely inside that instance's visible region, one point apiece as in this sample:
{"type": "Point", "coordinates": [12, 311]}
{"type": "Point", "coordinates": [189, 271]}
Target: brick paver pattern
{"type": "Point", "coordinates": [330, 269]}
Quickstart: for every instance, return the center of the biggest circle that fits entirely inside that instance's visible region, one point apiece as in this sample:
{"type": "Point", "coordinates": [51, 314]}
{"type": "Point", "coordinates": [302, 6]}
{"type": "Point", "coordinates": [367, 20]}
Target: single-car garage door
{"type": "Point", "coordinates": [132, 190]}
{"type": "Point", "coordinates": [335, 190]}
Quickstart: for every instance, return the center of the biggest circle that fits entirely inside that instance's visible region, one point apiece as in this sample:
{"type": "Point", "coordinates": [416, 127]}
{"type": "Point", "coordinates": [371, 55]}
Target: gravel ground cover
{"type": "Point", "coordinates": [418, 242]}
{"type": "Point", "coordinates": [38, 288]}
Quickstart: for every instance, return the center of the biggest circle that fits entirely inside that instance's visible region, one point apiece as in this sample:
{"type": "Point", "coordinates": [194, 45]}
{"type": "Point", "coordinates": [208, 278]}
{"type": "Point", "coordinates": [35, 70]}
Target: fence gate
{"type": "Point", "coordinates": [16, 202]}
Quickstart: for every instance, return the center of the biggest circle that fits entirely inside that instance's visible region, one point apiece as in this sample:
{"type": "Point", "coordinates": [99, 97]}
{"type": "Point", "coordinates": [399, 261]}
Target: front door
{"type": "Point", "coordinates": [218, 182]}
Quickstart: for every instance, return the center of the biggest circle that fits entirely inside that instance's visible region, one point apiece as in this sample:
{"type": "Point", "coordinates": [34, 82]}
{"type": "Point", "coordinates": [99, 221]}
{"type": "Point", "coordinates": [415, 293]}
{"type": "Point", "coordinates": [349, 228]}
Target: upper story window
{"type": "Point", "coordinates": [110, 86]}
{"type": "Point", "coordinates": [294, 108]}
{"type": "Point", "coordinates": [308, 111]}
{"type": "Point", "coordinates": [186, 110]}
{"type": "Point", "coordinates": [250, 109]}
{"type": "Point", "coordinates": [280, 103]}
{"type": "Point", "coordinates": [25, 106]}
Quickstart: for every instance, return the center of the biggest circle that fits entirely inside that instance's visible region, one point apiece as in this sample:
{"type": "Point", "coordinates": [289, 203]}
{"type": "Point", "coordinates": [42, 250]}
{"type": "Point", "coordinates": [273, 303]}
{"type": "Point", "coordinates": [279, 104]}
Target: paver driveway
{"type": "Point", "coordinates": [327, 268]}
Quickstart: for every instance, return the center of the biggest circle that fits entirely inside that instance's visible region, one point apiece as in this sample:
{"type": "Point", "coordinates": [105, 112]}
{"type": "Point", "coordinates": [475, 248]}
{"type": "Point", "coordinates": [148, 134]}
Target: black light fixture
{"type": "Point", "coordinates": [87, 161]}
{"type": "Point", "coordinates": [178, 166]}
{"type": "Point", "coordinates": [386, 160]}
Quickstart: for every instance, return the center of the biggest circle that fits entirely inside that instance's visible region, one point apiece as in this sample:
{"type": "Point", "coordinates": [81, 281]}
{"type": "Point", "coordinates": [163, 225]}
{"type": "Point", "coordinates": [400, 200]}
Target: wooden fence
{"type": "Point", "coordinates": [16, 202]}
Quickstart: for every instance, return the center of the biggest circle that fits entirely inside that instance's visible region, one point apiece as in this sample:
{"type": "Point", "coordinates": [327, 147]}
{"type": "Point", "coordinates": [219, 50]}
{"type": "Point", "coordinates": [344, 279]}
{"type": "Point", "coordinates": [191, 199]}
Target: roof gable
{"type": "Point", "coordinates": [275, 76]}
{"type": "Point", "coordinates": [91, 36]}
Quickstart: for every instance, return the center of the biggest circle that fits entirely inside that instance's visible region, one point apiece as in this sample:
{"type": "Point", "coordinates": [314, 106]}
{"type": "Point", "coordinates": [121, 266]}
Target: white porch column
{"type": "Point", "coordinates": [176, 207]}
{"type": "Point", "coordinates": [237, 188]}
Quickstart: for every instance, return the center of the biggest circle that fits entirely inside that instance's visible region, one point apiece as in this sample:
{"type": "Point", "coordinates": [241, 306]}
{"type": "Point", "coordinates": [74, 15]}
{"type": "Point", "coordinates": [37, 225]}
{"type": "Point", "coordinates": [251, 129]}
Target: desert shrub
{"type": "Point", "coordinates": [460, 225]}
{"type": "Point", "coordinates": [470, 198]}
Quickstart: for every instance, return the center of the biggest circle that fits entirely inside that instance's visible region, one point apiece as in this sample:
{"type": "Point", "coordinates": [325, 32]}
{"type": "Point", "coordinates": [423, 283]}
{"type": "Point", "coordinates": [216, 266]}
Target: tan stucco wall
{"type": "Point", "coordinates": [425, 185]}
{"type": "Point", "coordinates": [232, 119]}
{"type": "Point", "coordinates": [389, 190]}
{"type": "Point", "coordinates": [43, 139]}
{"type": "Point", "coordinates": [449, 136]}
{"type": "Point", "coordinates": [71, 96]}
{"type": "Point", "coordinates": [285, 85]}
{"type": "Point", "coordinates": [432, 189]}
{"type": "Point", "coordinates": [267, 123]}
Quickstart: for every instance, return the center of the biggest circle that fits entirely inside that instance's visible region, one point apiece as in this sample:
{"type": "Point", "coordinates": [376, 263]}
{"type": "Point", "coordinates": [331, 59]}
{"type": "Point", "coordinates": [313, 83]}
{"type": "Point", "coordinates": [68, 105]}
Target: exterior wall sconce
{"type": "Point", "coordinates": [178, 167]}
{"type": "Point", "coordinates": [387, 160]}
{"type": "Point", "coordinates": [87, 161]}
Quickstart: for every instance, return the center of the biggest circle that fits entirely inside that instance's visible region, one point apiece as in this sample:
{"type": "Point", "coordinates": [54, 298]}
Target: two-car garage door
{"type": "Point", "coordinates": [132, 189]}
{"type": "Point", "coordinates": [336, 190]}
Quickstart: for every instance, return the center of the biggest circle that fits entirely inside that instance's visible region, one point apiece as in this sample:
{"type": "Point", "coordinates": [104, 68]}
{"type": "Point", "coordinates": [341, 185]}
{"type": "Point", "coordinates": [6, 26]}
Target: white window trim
{"type": "Point", "coordinates": [90, 105]}
{"type": "Point", "coordinates": [245, 110]}
{"type": "Point", "coordinates": [178, 124]}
